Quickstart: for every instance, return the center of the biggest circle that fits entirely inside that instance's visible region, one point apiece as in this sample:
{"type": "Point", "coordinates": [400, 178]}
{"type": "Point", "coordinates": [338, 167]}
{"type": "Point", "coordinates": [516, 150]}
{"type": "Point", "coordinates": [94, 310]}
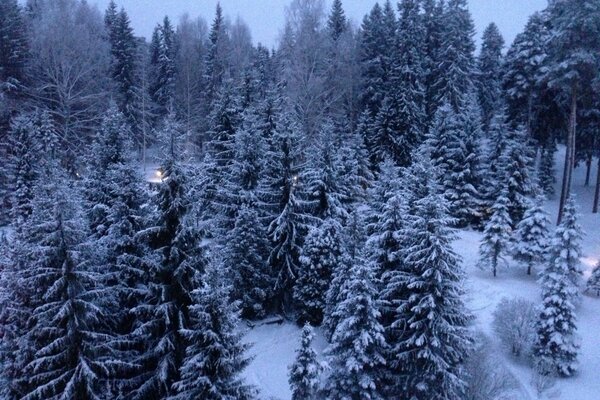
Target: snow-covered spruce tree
{"type": "Point", "coordinates": [593, 283]}
{"type": "Point", "coordinates": [386, 184]}
{"type": "Point", "coordinates": [304, 372]}
{"type": "Point", "coordinates": [224, 121]}
{"type": "Point", "coordinates": [177, 261]}
{"type": "Point", "coordinates": [22, 167]}
{"type": "Point", "coordinates": [325, 181]}
{"type": "Point", "coordinates": [357, 349]}
{"type": "Point", "coordinates": [490, 64]}
{"type": "Point", "coordinates": [496, 239]}
{"type": "Point", "coordinates": [216, 355]}
{"type": "Point", "coordinates": [556, 346]}
{"type": "Point", "coordinates": [456, 55]}
{"type": "Point", "coordinates": [110, 148]}
{"type": "Point", "coordinates": [321, 255]}
{"type": "Point", "coordinates": [67, 334]}
{"type": "Point", "coordinates": [546, 175]}
{"type": "Point", "coordinates": [283, 195]}
{"type": "Point", "coordinates": [566, 249]}
{"type": "Point", "coordinates": [246, 258]}
{"type": "Point", "coordinates": [461, 179]}
{"type": "Point", "coordinates": [162, 64]}
{"type": "Point", "coordinates": [499, 134]}
{"type": "Point", "coordinates": [444, 129]}
{"type": "Point", "coordinates": [532, 235]}
{"type": "Point", "coordinates": [355, 236]}
{"type": "Point", "coordinates": [430, 338]}
{"type": "Point", "coordinates": [516, 165]}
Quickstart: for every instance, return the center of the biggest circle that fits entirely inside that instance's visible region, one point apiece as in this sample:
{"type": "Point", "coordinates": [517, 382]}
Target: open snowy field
{"type": "Point", "coordinates": [274, 345]}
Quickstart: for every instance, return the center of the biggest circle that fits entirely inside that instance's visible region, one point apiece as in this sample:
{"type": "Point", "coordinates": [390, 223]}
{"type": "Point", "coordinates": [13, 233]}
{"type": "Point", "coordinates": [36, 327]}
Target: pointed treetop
{"type": "Point", "coordinates": [337, 22]}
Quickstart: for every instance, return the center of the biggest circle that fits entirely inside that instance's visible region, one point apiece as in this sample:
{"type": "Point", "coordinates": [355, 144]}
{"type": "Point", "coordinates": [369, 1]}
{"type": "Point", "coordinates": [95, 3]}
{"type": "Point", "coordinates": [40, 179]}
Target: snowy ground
{"type": "Point", "coordinates": [274, 345]}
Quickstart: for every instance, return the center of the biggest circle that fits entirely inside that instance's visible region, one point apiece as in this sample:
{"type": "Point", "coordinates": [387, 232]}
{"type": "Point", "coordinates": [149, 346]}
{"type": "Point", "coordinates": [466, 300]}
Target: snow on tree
{"type": "Point", "coordinates": [566, 249]}
{"type": "Point", "coordinates": [216, 355]}
{"type": "Point", "coordinates": [427, 332]}
{"type": "Point", "coordinates": [321, 255]}
{"type": "Point", "coordinates": [355, 236]}
{"type": "Point", "coordinates": [162, 63]}
{"type": "Point", "coordinates": [304, 372]}
{"type": "Point", "coordinates": [516, 165]}
{"type": "Point", "coordinates": [461, 179]}
{"type": "Point", "coordinates": [177, 261]}
{"type": "Point", "coordinates": [357, 350]}
{"type": "Point", "coordinates": [325, 181]}
{"type": "Point", "coordinates": [496, 239]}
{"type": "Point", "coordinates": [546, 175]}
{"type": "Point", "coordinates": [490, 65]}
{"type": "Point", "coordinates": [216, 61]}
{"type": "Point", "coordinates": [456, 55]}
{"type": "Point", "coordinates": [68, 332]}
{"type": "Point", "coordinates": [246, 258]}
{"type": "Point", "coordinates": [532, 235]}
{"type": "Point", "coordinates": [284, 195]}
{"type": "Point", "coordinates": [593, 283]}
{"type": "Point", "coordinates": [556, 347]}
{"type": "Point", "coordinates": [111, 148]}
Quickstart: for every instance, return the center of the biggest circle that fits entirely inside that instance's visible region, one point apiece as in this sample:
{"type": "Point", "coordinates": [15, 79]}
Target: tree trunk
{"type": "Point", "coordinates": [588, 169]}
{"type": "Point", "coordinates": [597, 194]}
{"type": "Point", "coordinates": [569, 156]}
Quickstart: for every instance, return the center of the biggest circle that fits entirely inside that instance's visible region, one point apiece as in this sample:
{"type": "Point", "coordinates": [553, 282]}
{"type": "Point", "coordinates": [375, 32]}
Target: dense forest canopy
{"type": "Point", "coordinates": [322, 180]}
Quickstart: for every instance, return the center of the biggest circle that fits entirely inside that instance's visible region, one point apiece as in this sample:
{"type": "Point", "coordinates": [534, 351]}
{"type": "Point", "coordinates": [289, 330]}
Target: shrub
{"type": "Point", "coordinates": [514, 323]}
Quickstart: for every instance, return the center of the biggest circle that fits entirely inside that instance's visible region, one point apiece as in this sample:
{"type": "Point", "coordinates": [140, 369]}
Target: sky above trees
{"type": "Point", "coordinates": [266, 17]}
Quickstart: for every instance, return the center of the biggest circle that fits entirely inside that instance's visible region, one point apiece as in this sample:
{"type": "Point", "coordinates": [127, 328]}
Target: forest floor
{"type": "Point", "coordinates": [274, 345]}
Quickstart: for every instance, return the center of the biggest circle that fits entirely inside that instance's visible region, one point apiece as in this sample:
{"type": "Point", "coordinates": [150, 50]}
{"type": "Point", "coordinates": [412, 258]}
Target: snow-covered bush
{"type": "Point", "coordinates": [486, 377]}
{"type": "Point", "coordinates": [514, 323]}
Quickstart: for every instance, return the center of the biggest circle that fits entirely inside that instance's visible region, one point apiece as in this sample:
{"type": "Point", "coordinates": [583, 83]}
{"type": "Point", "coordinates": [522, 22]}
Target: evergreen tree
{"type": "Point", "coordinates": [13, 48]}
{"type": "Point", "coordinates": [67, 333]}
{"type": "Point", "coordinates": [216, 61]}
{"type": "Point", "coordinates": [358, 345]}
{"type": "Point", "coordinates": [177, 262]}
{"type": "Point", "coordinates": [524, 59]}
{"type": "Point", "coordinates": [456, 57]}
{"type": "Point", "coordinates": [429, 336]}
{"type": "Point", "coordinates": [555, 348]}
{"type": "Point", "coordinates": [163, 52]}
{"type": "Point", "coordinates": [123, 66]}
{"type": "Point", "coordinates": [305, 371]}
{"type": "Point", "coordinates": [321, 255]}
{"type": "Point", "coordinates": [216, 357]}
{"type": "Point", "coordinates": [566, 247]}
{"type": "Point", "coordinates": [247, 248]}
{"type": "Point", "coordinates": [433, 25]}
{"type": "Point", "coordinates": [490, 65]}
{"type": "Point", "coordinates": [516, 165]}
{"type": "Point", "coordinates": [111, 148]}
{"type": "Point", "coordinates": [496, 235]}
{"type": "Point", "coordinates": [546, 176]}
{"type": "Point", "coordinates": [462, 179]}
{"type": "Point", "coordinates": [593, 283]}
{"type": "Point", "coordinates": [283, 196]}
{"type": "Point", "coordinates": [531, 235]}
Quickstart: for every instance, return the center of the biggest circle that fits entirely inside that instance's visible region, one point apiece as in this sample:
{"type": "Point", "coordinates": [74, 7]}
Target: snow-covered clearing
{"type": "Point", "coordinates": [274, 345]}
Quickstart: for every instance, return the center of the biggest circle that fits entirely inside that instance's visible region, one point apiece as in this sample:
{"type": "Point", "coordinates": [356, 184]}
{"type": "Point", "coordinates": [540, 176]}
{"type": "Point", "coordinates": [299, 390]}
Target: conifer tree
{"type": "Point", "coordinates": [321, 255]}
{"type": "Point", "coordinates": [429, 338]}
{"type": "Point", "coordinates": [490, 65]}
{"type": "Point", "coordinates": [532, 235]}
{"type": "Point", "coordinates": [216, 61]}
{"type": "Point", "coordinates": [456, 56]}
{"type": "Point", "coordinates": [546, 176]}
{"type": "Point", "coordinates": [305, 371]}
{"type": "Point", "coordinates": [216, 355]}
{"type": "Point", "coordinates": [556, 348]}
{"type": "Point", "coordinates": [593, 283]}
{"type": "Point", "coordinates": [67, 334]}
{"type": "Point", "coordinates": [357, 346]}
{"type": "Point", "coordinates": [247, 253]}
{"type": "Point", "coordinates": [566, 247]}
{"type": "Point", "coordinates": [162, 61]}
{"type": "Point", "coordinates": [177, 261]}
{"type": "Point", "coordinates": [516, 165]}
{"type": "Point", "coordinates": [496, 235]}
